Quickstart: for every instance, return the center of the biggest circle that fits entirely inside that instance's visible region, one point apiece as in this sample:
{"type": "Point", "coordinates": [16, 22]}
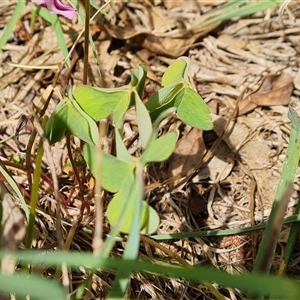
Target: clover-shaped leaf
{"type": "Point", "coordinates": [176, 72]}
{"type": "Point", "coordinates": [69, 115]}
{"type": "Point", "coordinates": [111, 172]}
{"type": "Point", "coordinates": [163, 99]}
{"type": "Point", "coordinates": [143, 120]}
{"type": "Point", "coordinates": [193, 110]}
{"type": "Point", "coordinates": [160, 149]}
{"type": "Point", "coordinates": [57, 124]}
{"type": "Point", "coordinates": [122, 208]}
{"type": "Point", "coordinates": [138, 78]}
{"type": "Point", "coordinates": [119, 177]}
{"type": "Point", "coordinates": [99, 103]}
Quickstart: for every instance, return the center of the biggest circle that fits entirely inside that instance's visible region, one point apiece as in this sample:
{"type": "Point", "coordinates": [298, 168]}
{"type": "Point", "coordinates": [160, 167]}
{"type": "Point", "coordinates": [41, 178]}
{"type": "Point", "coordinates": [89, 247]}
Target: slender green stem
{"type": "Point", "coordinates": [35, 192]}
{"type": "Point", "coordinates": [86, 41]}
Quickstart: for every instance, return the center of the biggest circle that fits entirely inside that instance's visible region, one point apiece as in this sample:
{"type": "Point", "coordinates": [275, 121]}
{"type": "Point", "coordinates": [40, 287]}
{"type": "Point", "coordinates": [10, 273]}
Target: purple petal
{"type": "Point", "coordinates": [56, 7]}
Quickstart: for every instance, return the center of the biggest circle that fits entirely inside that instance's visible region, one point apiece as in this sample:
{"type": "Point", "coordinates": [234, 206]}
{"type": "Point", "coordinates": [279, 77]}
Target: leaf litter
{"type": "Point", "coordinates": [229, 185]}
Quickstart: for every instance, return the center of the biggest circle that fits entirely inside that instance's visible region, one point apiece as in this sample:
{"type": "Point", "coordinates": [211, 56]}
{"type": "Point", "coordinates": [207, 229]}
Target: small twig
{"type": "Point", "coordinates": [170, 253]}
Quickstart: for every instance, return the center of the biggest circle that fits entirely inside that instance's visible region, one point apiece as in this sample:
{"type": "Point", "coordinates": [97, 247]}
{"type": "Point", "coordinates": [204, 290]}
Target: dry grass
{"type": "Point", "coordinates": [234, 189]}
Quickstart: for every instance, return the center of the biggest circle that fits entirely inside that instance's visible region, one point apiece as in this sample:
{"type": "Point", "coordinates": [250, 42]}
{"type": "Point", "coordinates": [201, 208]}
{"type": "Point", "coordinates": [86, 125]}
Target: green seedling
{"type": "Point", "coordinates": [177, 92]}
{"type": "Point", "coordinates": [120, 175]}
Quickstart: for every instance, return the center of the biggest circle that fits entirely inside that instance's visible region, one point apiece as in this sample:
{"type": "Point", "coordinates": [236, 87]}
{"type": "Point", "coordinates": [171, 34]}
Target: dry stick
{"type": "Point", "coordinates": [170, 253]}
{"type": "Point", "coordinates": [97, 239]}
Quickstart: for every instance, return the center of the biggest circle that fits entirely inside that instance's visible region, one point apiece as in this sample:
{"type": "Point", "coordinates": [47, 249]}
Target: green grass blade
{"type": "Point", "coordinates": [184, 235]}
{"type": "Point", "coordinates": [12, 22]}
{"type": "Point", "coordinates": [33, 286]}
{"type": "Point", "coordinates": [278, 287]}
{"type": "Point", "coordinates": [236, 9]}
{"type": "Point", "coordinates": [287, 178]}
{"type": "Point", "coordinates": [54, 20]}
{"type": "Point", "coordinates": [34, 196]}
{"type": "Point", "coordinates": [295, 152]}
{"type": "Point", "coordinates": [290, 245]}
{"type": "Point", "coordinates": [14, 186]}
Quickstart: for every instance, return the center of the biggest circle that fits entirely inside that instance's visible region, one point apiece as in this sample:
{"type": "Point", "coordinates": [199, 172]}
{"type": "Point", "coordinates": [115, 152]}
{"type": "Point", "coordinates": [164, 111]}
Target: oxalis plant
{"type": "Point", "coordinates": [123, 174]}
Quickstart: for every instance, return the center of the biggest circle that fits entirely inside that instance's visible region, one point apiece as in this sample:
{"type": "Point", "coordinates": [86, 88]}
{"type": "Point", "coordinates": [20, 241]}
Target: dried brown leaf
{"type": "Point", "coordinates": [168, 46]}
{"type": "Point", "coordinates": [274, 90]}
{"type": "Point", "coordinates": [189, 151]}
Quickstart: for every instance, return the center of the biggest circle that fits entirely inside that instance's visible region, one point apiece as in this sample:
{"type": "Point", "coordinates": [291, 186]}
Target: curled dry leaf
{"type": "Point", "coordinates": [188, 153]}
{"type": "Point", "coordinates": [274, 90]}
{"type": "Point", "coordinates": [168, 46]}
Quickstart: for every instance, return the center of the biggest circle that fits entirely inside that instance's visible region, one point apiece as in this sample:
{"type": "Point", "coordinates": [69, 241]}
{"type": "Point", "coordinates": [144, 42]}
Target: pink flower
{"type": "Point", "coordinates": [56, 7]}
